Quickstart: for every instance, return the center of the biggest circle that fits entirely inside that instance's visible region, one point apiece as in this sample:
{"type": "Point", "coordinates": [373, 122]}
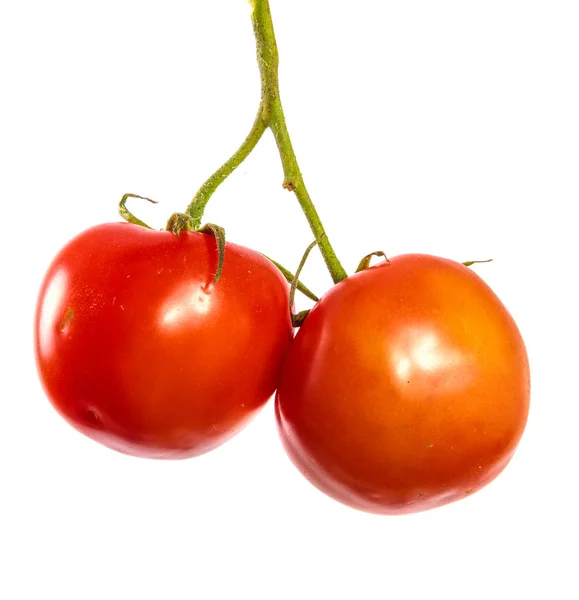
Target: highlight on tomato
{"type": "Point", "coordinates": [406, 388]}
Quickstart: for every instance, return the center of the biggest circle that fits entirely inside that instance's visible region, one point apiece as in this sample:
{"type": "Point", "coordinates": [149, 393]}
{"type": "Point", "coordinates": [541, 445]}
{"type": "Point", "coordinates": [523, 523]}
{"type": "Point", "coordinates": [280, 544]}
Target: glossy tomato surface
{"type": "Point", "coordinates": [406, 388]}
{"type": "Point", "coordinates": [138, 349]}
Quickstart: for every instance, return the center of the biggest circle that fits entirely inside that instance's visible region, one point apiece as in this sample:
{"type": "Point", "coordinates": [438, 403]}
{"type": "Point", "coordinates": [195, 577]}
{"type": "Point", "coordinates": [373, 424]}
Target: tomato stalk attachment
{"type": "Point", "coordinates": [179, 222]}
{"type": "Point", "coordinates": [270, 115]}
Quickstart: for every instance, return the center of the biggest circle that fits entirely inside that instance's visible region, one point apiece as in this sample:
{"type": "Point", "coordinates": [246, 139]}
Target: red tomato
{"type": "Point", "coordinates": [406, 388]}
{"type": "Point", "coordinates": [138, 349]}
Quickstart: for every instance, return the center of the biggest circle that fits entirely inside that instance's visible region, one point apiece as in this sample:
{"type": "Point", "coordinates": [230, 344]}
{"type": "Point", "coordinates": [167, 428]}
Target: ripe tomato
{"type": "Point", "coordinates": [138, 349]}
{"type": "Point", "coordinates": [406, 388]}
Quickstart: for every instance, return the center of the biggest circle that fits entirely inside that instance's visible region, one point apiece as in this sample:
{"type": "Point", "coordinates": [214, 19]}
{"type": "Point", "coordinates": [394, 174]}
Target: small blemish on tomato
{"type": "Point", "coordinates": [420, 496]}
{"type": "Point", "coordinates": [469, 491]}
{"type": "Point", "coordinates": [428, 446]}
{"type": "Point", "coordinates": [66, 319]}
{"type": "Point", "coordinates": [92, 417]}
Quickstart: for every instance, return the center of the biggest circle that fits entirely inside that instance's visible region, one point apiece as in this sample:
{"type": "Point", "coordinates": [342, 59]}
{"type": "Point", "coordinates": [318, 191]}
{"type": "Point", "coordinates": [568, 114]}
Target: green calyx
{"type": "Point", "coordinates": [366, 261]}
{"type": "Point", "coordinates": [219, 234]}
{"type": "Point", "coordinates": [470, 263]}
{"type": "Point", "coordinates": [127, 215]}
{"type": "Point", "coordinates": [177, 223]}
{"type": "Point", "coordinates": [298, 319]}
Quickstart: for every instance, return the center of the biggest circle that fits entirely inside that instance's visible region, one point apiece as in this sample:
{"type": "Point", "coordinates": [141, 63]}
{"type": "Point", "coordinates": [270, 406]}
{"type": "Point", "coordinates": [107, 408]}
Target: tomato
{"type": "Point", "coordinates": [406, 388]}
{"type": "Point", "coordinates": [138, 349]}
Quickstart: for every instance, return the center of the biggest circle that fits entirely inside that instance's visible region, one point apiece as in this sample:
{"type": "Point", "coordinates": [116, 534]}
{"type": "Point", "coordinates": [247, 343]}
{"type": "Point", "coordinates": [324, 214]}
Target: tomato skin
{"type": "Point", "coordinates": [138, 349]}
{"type": "Point", "coordinates": [406, 388]}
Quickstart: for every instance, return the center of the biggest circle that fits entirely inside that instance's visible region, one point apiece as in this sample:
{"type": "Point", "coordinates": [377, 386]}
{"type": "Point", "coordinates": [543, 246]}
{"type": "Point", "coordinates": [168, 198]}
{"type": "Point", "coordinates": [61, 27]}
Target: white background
{"type": "Point", "coordinates": [443, 127]}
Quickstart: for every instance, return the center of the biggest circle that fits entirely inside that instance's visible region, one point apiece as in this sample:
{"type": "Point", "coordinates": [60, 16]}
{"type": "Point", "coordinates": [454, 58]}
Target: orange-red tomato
{"type": "Point", "coordinates": [406, 388]}
{"type": "Point", "coordinates": [138, 349]}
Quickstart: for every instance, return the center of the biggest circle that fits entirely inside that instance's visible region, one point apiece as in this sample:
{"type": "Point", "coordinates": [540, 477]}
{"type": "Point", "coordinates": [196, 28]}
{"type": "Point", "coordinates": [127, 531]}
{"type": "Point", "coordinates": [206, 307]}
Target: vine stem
{"type": "Point", "coordinates": [270, 115]}
{"type": "Point", "coordinates": [197, 207]}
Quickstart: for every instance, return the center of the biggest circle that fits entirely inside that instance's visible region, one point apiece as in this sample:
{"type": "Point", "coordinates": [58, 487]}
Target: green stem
{"type": "Point", "coordinates": [270, 115]}
{"type": "Point", "coordinates": [268, 62]}
{"type": "Point", "coordinates": [197, 207]}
